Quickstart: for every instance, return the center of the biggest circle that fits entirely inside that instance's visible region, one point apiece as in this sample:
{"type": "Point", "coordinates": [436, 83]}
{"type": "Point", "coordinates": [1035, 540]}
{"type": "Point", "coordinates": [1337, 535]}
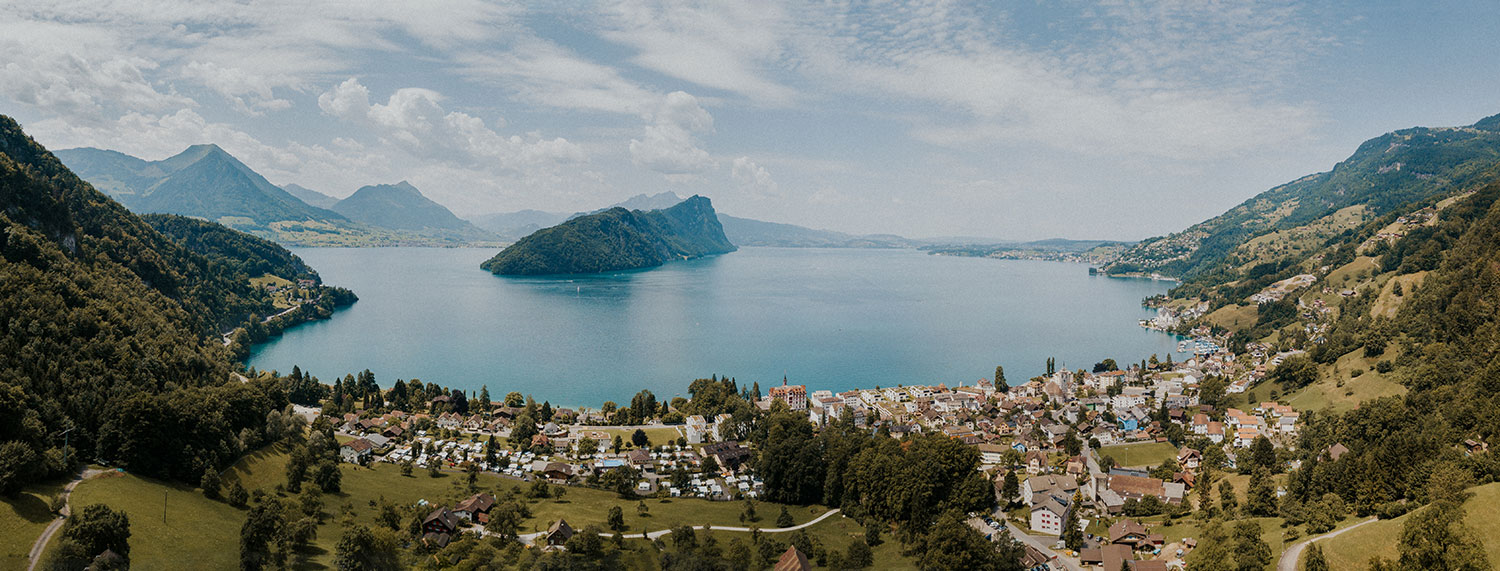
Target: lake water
{"type": "Point", "coordinates": [829, 318]}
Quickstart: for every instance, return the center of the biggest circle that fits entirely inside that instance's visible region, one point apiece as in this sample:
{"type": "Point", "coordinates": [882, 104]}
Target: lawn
{"type": "Point", "coordinates": [1327, 393]}
{"type": "Point", "coordinates": [1233, 317]}
{"type": "Point", "coordinates": [22, 520]}
{"type": "Point", "coordinates": [172, 526]}
{"type": "Point", "coordinates": [1144, 454]}
{"type": "Point", "coordinates": [1353, 550]}
{"type": "Point", "coordinates": [657, 435]}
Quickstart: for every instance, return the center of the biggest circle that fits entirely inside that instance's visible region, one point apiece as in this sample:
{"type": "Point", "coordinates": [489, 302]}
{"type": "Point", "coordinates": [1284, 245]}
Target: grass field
{"type": "Point", "coordinates": [22, 520]}
{"type": "Point", "coordinates": [658, 435]}
{"type": "Point", "coordinates": [1234, 317]}
{"type": "Point", "coordinates": [210, 541]}
{"type": "Point", "coordinates": [1353, 550]}
{"type": "Point", "coordinates": [172, 526]}
{"type": "Point", "coordinates": [1146, 454]}
{"type": "Point", "coordinates": [1327, 394]}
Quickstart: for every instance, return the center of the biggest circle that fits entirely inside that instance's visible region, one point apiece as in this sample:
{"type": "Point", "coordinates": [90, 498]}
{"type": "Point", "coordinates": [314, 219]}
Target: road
{"type": "Point", "coordinates": [41, 542]}
{"type": "Point", "coordinates": [528, 538]}
{"type": "Point", "coordinates": [1289, 558]}
{"type": "Point", "coordinates": [1023, 537]}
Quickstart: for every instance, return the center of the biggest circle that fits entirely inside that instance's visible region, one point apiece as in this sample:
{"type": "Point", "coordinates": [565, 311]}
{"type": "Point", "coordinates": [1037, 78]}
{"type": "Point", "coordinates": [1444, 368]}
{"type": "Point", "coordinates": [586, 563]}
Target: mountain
{"type": "Point", "coordinates": [111, 329]}
{"type": "Point", "coordinates": [617, 239]}
{"type": "Point", "coordinates": [400, 206]}
{"type": "Point", "coordinates": [515, 225]}
{"type": "Point", "coordinates": [1382, 175]}
{"type": "Point", "coordinates": [312, 197]}
{"type": "Point", "coordinates": [202, 181]}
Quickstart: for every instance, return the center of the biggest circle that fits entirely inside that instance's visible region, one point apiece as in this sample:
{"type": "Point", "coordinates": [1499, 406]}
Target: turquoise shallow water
{"type": "Point", "coordinates": [829, 318]}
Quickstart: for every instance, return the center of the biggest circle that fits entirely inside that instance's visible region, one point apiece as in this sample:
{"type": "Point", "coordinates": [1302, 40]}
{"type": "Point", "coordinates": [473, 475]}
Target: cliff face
{"type": "Point", "coordinates": [617, 239]}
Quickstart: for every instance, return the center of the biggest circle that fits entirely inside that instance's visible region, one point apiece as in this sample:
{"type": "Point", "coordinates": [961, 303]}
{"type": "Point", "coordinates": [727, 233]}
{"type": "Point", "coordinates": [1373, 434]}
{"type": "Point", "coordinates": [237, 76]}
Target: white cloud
{"type": "Point", "coordinates": [669, 144]}
{"type": "Point", "coordinates": [719, 45]}
{"type": "Point", "coordinates": [754, 178]}
{"type": "Point", "coordinates": [414, 119]}
{"type": "Point", "coordinates": [249, 93]}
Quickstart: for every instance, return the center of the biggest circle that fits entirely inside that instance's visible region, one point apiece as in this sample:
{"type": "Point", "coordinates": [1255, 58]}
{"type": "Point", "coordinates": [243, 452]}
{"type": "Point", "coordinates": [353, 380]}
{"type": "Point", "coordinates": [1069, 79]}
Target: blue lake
{"type": "Point", "coordinates": [829, 318]}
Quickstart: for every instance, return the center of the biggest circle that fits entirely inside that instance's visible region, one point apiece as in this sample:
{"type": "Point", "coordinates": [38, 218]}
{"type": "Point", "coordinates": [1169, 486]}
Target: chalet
{"type": "Point", "coordinates": [357, 451]}
{"type": "Point", "coordinates": [1472, 447]}
{"type": "Point", "coordinates": [1036, 462]}
{"type": "Point", "coordinates": [1128, 533]}
{"type": "Point", "coordinates": [1215, 432]}
{"type": "Point", "coordinates": [557, 471]}
{"type": "Point", "coordinates": [394, 431]}
{"type": "Point", "coordinates": [558, 533]}
{"type": "Point", "coordinates": [1188, 458]}
{"type": "Point", "coordinates": [1116, 557]}
{"type": "Point", "coordinates": [1200, 424]}
{"type": "Point", "coordinates": [641, 460]}
{"type": "Point", "coordinates": [1076, 466]}
{"type": "Point", "coordinates": [476, 508]}
{"type": "Point", "coordinates": [442, 521]}
{"type": "Point", "coordinates": [792, 560]}
{"type": "Point", "coordinates": [1336, 451]}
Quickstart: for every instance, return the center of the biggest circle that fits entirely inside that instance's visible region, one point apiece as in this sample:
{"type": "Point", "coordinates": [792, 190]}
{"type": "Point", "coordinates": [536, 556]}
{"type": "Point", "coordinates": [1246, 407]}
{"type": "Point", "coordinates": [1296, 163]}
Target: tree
{"type": "Point", "coordinates": [1251, 551]}
{"type": "Point", "coordinates": [264, 541]}
{"type": "Point", "coordinates": [639, 439]}
{"type": "Point", "coordinates": [432, 469]}
{"type": "Point", "coordinates": [1228, 499]}
{"type": "Point", "coordinates": [329, 477]}
{"type": "Point", "coordinates": [1315, 560]}
{"type": "Point", "coordinates": [616, 519]}
{"type": "Point", "coordinates": [1263, 455]}
{"type": "Point", "coordinates": [1260, 501]}
{"type": "Point", "coordinates": [1435, 538]}
{"type": "Point", "coordinates": [710, 465]}
{"type": "Point", "coordinates": [210, 483]}
{"type": "Point", "coordinates": [514, 399]}
{"type": "Point", "coordinates": [1296, 372]}
{"type": "Point", "coordinates": [952, 544]}
{"type": "Point", "coordinates": [237, 495]}
{"type": "Point", "coordinates": [617, 444]}
{"type": "Point", "coordinates": [1072, 533]}
{"type": "Point", "coordinates": [872, 533]}
{"type": "Point", "coordinates": [587, 446]}
{"type": "Point", "coordinates": [860, 555]}
{"type": "Point", "coordinates": [483, 404]}
{"type": "Point", "coordinates": [360, 549]}
{"type": "Point", "coordinates": [1010, 489]}
{"type": "Point", "coordinates": [1000, 378]}
{"type": "Point", "coordinates": [784, 519]}
{"type": "Point", "coordinates": [97, 528]}
{"type": "Point", "coordinates": [406, 467]}
{"type": "Point", "coordinates": [1071, 444]}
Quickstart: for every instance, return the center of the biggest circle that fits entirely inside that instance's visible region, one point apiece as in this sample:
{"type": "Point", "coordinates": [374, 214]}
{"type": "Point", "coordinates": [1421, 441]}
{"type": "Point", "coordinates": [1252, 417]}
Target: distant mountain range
{"type": "Point", "coordinates": [206, 182]}
{"type": "Point", "coordinates": [202, 181]}
{"type": "Point", "coordinates": [617, 239]}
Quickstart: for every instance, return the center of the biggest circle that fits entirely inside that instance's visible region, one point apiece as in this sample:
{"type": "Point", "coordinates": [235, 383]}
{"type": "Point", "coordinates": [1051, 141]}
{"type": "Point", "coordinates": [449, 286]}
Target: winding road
{"type": "Point", "coordinates": [528, 538]}
{"type": "Point", "coordinates": [41, 542]}
{"type": "Point", "coordinates": [1289, 558]}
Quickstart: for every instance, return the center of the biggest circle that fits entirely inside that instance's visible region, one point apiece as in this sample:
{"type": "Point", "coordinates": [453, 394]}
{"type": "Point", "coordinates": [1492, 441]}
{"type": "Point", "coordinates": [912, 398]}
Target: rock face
{"type": "Point", "coordinates": [616, 239]}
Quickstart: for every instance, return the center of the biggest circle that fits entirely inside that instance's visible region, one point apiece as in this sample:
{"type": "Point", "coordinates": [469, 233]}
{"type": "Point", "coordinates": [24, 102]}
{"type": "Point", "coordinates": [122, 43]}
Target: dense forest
{"type": "Point", "coordinates": [616, 239]}
{"type": "Point", "coordinates": [109, 331]}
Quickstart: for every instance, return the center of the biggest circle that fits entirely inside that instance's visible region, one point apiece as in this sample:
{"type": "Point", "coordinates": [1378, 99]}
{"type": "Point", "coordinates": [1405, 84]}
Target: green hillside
{"type": "Point", "coordinates": [402, 207]}
{"type": "Point", "coordinates": [109, 328]}
{"type": "Point", "coordinates": [1385, 174]}
{"type": "Point", "coordinates": [617, 239]}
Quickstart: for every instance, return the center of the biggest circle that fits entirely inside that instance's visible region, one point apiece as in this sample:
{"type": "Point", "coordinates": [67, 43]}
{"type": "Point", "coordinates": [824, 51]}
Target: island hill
{"type": "Point", "coordinates": [616, 239]}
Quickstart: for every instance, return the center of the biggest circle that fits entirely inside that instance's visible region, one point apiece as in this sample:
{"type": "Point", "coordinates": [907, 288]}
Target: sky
{"type": "Point", "coordinates": [1117, 119]}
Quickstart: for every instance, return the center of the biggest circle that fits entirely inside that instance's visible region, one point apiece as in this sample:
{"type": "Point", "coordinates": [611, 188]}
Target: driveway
{"type": "Point", "coordinates": [1289, 558]}
{"type": "Point", "coordinates": [1027, 539]}
{"type": "Point", "coordinates": [528, 538]}
{"type": "Point", "coordinates": [40, 545]}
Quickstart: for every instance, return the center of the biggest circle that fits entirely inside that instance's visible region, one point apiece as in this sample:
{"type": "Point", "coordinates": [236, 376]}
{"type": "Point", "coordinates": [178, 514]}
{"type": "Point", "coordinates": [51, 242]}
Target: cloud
{"type": "Point", "coordinates": [544, 73]}
{"type": "Point", "coordinates": [415, 120]}
{"type": "Point", "coordinates": [669, 144]}
{"type": "Point", "coordinates": [754, 178]}
{"type": "Point", "coordinates": [250, 94]}
{"type": "Point", "coordinates": [727, 46]}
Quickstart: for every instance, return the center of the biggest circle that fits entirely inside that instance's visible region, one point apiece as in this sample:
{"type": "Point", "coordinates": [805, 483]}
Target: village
{"type": "Point", "coordinates": [1108, 443]}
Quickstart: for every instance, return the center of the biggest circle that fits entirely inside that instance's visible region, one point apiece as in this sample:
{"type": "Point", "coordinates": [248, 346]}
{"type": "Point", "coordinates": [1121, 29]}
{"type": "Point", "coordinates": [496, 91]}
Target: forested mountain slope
{"type": "Point", "coordinates": [1385, 174]}
{"type": "Point", "coordinates": [108, 328]}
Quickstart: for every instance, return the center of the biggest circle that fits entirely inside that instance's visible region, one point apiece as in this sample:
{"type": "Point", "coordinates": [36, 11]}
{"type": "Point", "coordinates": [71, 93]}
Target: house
{"type": "Point", "coordinates": [557, 471]}
{"type": "Point", "coordinates": [697, 427]}
{"type": "Point", "coordinates": [1048, 515]}
{"type": "Point", "coordinates": [394, 431]}
{"type": "Point", "coordinates": [1200, 424]}
{"type": "Point", "coordinates": [441, 521]}
{"type": "Point", "coordinates": [792, 560]}
{"type": "Point", "coordinates": [559, 533]}
{"type": "Point", "coordinates": [1188, 458]}
{"type": "Point", "coordinates": [1472, 447]}
{"type": "Point", "coordinates": [1215, 432]}
{"type": "Point", "coordinates": [1076, 466]}
{"type": "Point", "coordinates": [1035, 462]}
{"type": "Point", "coordinates": [730, 455]}
{"type": "Point", "coordinates": [1115, 557]}
{"type": "Point", "coordinates": [1128, 533]}
{"type": "Point", "coordinates": [476, 508]}
{"type": "Point", "coordinates": [1050, 485]}
{"type": "Point", "coordinates": [1336, 451]}
{"type": "Point", "coordinates": [357, 451]}
{"type": "Point", "coordinates": [641, 460]}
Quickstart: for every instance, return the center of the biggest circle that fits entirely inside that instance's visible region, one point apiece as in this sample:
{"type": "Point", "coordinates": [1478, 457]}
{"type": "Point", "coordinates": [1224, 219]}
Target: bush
{"type": "Point", "coordinates": [1356, 373]}
{"type": "Point", "coordinates": [1384, 367]}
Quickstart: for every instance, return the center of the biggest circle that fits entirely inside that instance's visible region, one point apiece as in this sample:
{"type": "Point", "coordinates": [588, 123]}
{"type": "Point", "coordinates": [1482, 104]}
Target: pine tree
{"type": "Point", "coordinates": [1072, 534]}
